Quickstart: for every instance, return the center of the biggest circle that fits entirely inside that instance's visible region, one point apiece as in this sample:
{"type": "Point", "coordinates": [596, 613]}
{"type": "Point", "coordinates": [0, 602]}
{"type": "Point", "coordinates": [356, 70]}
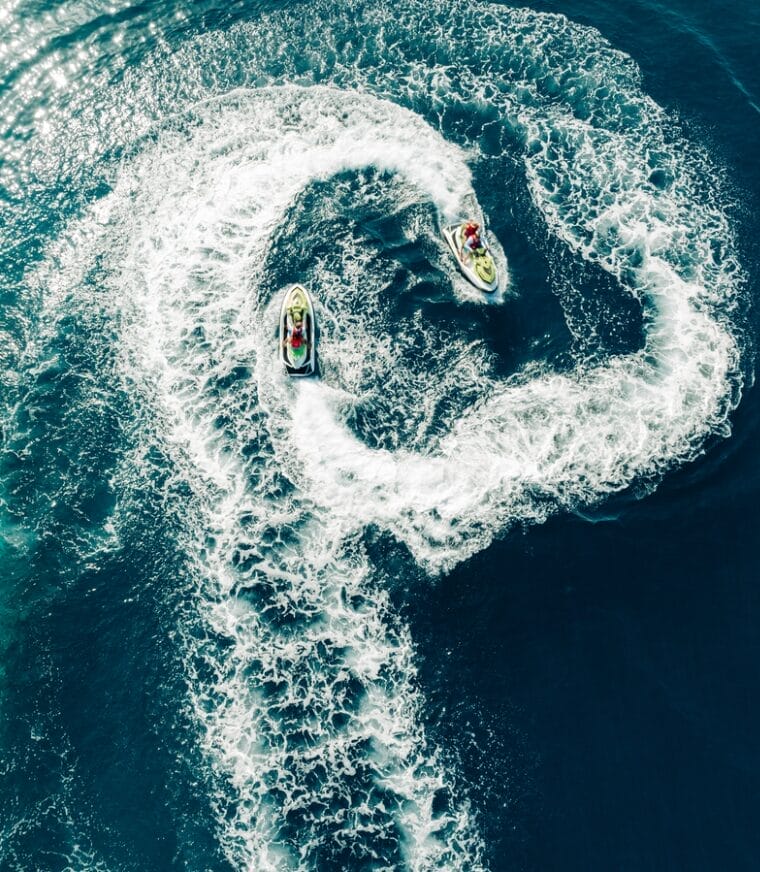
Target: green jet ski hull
{"type": "Point", "coordinates": [478, 268]}
{"type": "Point", "coordinates": [298, 311]}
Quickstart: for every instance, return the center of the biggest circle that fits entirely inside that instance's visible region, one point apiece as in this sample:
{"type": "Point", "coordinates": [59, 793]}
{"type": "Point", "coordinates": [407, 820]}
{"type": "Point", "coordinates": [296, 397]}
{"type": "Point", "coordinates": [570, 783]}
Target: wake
{"type": "Point", "coordinates": [301, 679]}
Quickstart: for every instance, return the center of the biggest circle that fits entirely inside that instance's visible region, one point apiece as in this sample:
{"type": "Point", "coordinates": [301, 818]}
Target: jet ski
{"type": "Point", "coordinates": [478, 266]}
{"type": "Point", "coordinates": [298, 332]}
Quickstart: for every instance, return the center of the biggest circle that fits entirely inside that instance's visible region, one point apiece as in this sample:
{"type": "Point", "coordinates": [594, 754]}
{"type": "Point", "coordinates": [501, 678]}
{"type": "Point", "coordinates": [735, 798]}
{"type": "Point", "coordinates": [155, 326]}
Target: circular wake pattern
{"type": "Point", "coordinates": [301, 678]}
{"type": "Point", "coordinates": [297, 148]}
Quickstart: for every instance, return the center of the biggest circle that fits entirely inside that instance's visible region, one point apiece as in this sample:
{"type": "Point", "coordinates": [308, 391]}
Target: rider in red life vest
{"type": "Point", "coordinates": [471, 238]}
{"type": "Point", "coordinates": [296, 336]}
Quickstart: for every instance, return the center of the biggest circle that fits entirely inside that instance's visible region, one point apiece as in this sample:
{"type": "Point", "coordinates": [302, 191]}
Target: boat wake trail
{"type": "Point", "coordinates": [301, 679]}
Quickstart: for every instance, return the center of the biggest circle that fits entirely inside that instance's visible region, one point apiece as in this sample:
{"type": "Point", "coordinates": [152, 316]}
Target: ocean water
{"type": "Point", "coordinates": [482, 596]}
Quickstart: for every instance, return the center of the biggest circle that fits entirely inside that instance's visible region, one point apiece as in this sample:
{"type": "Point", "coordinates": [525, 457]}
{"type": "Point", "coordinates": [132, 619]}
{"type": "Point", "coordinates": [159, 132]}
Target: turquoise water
{"type": "Point", "coordinates": [480, 597]}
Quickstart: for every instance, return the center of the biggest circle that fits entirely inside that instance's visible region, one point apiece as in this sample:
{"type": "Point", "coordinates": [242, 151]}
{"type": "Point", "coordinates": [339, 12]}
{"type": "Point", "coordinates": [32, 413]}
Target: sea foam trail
{"type": "Point", "coordinates": [300, 678]}
{"type": "Point", "coordinates": [303, 681]}
{"type": "Point", "coordinates": [556, 440]}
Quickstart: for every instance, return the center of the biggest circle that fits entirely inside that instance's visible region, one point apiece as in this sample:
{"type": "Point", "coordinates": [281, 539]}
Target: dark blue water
{"type": "Point", "coordinates": [482, 596]}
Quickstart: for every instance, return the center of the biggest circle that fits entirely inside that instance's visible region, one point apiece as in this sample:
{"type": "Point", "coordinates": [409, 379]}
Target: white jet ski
{"type": "Point", "coordinates": [478, 267]}
{"type": "Point", "coordinates": [298, 348]}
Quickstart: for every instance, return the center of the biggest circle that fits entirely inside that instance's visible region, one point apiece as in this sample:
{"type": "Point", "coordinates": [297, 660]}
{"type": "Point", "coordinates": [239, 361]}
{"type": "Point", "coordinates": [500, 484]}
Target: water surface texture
{"type": "Point", "coordinates": [483, 595]}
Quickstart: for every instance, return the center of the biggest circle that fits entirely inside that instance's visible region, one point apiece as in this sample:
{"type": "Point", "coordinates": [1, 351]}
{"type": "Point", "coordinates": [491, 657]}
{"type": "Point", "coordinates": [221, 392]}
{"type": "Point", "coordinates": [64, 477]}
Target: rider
{"type": "Point", "coordinates": [296, 332]}
{"type": "Point", "coordinates": [471, 240]}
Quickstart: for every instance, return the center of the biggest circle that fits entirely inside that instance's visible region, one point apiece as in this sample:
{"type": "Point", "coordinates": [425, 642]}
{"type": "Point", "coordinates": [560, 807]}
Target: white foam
{"type": "Point", "coordinates": [559, 439]}
{"type": "Point", "coordinates": [301, 678]}
{"type": "Point", "coordinates": [189, 274]}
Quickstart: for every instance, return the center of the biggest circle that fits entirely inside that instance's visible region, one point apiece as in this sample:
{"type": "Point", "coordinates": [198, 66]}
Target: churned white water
{"type": "Point", "coordinates": [300, 677]}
